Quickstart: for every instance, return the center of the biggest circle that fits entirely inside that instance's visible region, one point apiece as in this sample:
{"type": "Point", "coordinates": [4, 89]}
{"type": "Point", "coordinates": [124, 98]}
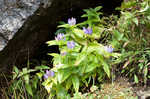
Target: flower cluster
{"type": "Point", "coordinates": [60, 36]}
{"type": "Point", "coordinates": [71, 21]}
{"type": "Point", "coordinates": [87, 30]}
{"type": "Point", "coordinates": [48, 74]}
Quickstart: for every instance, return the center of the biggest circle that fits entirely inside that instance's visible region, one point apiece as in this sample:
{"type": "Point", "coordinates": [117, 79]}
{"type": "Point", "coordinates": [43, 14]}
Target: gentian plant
{"type": "Point", "coordinates": [81, 56]}
{"type": "Point", "coordinates": [88, 54]}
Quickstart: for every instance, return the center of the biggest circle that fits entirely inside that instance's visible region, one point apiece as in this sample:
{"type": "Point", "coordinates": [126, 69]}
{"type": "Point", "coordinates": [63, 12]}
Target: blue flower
{"type": "Point", "coordinates": [108, 49]}
{"type": "Point", "coordinates": [87, 30]}
{"type": "Point", "coordinates": [48, 74]}
{"type": "Point", "coordinates": [60, 36]}
{"type": "Point", "coordinates": [71, 21]}
{"type": "Point", "coordinates": [70, 44]}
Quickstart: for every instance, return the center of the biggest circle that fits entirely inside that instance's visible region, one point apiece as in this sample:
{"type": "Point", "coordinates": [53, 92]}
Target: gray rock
{"type": "Point", "coordinates": [13, 13]}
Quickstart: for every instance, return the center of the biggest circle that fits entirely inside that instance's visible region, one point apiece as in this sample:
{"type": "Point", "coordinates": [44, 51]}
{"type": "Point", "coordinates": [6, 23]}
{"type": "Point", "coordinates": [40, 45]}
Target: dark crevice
{"type": "Point", "coordinates": [108, 9]}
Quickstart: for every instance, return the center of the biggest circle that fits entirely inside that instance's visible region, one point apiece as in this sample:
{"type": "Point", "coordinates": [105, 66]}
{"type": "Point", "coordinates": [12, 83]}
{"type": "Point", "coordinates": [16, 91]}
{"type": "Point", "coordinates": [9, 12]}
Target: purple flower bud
{"type": "Point", "coordinates": [87, 30]}
{"type": "Point", "coordinates": [71, 21]}
{"type": "Point", "coordinates": [48, 74]}
{"type": "Point", "coordinates": [70, 44]}
{"type": "Point", "coordinates": [108, 49]}
{"type": "Point", "coordinates": [60, 36]}
{"type": "Point", "coordinates": [63, 53]}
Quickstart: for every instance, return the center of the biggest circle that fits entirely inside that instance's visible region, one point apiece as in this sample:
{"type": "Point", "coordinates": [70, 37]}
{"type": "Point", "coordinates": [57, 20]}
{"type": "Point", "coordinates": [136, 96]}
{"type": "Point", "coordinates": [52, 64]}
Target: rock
{"type": "Point", "coordinates": [13, 14]}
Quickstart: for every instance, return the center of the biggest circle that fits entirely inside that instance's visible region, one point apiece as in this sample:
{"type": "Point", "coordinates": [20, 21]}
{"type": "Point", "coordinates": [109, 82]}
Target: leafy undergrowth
{"type": "Point", "coordinates": [119, 89]}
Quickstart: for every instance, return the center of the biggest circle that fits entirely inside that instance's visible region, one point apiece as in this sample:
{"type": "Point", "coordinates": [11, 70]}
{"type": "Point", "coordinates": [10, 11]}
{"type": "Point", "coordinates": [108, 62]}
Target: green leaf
{"type": "Point", "coordinates": [63, 74]}
{"type": "Point", "coordinates": [69, 83]}
{"type": "Point", "coordinates": [52, 42]}
{"type": "Point", "coordinates": [93, 15]}
{"type": "Point", "coordinates": [16, 72]}
{"type": "Point", "coordinates": [14, 76]}
{"type": "Point", "coordinates": [79, 40]}
{"type": "Point", "coordinates": [84, 15]}
{"type": "Point", "coordinates": [136, 79]}
{"type": "Point", "coordinates": [78, 32]}
{"type": "Point", "coordinates": [61, 92]}
{"type": "Point", "coordinates": [105, 66]}
{"type": "Point", "coordinates": [26, 78]}
{"type": "Point", "coordinates": [90, 67]}
{"type": "Point", "coordinates": [76, 82]}
{"type": "Point", "coordinates": [135, 20]}
{"type": "Point", "coordinates": [25, 70]}
{"type": "Point", "coordinates": [81, 57]}
{"type": "Point", "coordinates": [145, 74]}
{"type": "Point", "coordinates": [29, 89]}
{"type": "Point", "coordinates": [54, 54]}
{"type": "Point", "coordinates": [92, 47]}
{"type": "Point", "coordinates": [117, 35]}
{"type": "Point", "coordinates": [106, 69]}
{"type": "Point", "coordinates": [35, 82]}
{"type": "Point", "coordinates": [145, 9]}
{"type": "Point", "coordinates": [39, 75]}
{"type": "Point", "coordinates": [97, 32]}
{"type": "Point", "coordinates": [42, 67]}
{"type": "Point", "coordinates": [61, 30]}
{"type": "Point", "coordinates": [98, 8]}
{"type": "Point", "coordinates": [48, 85]}
{"type": "Point", "coordinates": [65, 26]}
{"type": "Point", "coordinates": [128, 4]}
{"type": "Point", "coordinates": [117, 55]}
